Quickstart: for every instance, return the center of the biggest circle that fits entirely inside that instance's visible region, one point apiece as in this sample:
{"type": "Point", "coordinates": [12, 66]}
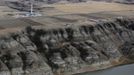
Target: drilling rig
{"type": "Point", "coordinates": [30, 6]}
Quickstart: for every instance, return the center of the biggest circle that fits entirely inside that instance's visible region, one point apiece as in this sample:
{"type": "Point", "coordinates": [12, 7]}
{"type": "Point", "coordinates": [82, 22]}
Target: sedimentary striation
{"type": "Point", "coordinates": [67, 50]}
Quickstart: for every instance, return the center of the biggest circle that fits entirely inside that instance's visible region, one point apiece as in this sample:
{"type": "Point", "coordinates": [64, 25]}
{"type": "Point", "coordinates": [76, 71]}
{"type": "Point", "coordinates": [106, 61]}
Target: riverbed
{"type": "Point", "coordinates": [120, 70]}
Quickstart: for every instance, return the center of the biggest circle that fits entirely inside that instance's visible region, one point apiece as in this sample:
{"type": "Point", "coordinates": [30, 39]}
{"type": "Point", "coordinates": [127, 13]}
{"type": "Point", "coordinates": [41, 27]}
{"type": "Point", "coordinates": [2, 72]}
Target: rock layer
{"type": "Point", "coordinates": [67, 50]}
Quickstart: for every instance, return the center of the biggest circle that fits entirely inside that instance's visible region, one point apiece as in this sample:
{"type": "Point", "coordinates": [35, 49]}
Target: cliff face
{"type": "Point", "coordinates": [68, 50]}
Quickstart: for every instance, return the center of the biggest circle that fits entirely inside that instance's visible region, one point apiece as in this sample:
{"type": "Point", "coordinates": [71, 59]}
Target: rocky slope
{"type": "Point", "coordinates": [125, 1]}
{"type": "Point", "coordinates": [74, 1]}
{"type": "Point", "coordinates": [67, 50]}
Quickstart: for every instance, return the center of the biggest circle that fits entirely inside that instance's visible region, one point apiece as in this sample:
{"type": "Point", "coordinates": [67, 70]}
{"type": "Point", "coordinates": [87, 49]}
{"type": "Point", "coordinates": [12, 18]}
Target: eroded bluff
{"type": "Point", "coordinates": [67, 50]}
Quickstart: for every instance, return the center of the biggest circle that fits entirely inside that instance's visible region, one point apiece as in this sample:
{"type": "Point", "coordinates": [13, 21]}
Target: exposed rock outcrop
{"type": "Point", "coordinates": [67, 50]}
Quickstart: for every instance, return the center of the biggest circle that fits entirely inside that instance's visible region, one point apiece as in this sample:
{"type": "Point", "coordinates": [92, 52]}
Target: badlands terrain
{"type": "Point", "coordinates": [69, 38]}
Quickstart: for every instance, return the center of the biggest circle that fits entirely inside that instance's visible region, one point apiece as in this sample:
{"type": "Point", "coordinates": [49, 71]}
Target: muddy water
{"type": "Point", "coordinates": [121, 70]}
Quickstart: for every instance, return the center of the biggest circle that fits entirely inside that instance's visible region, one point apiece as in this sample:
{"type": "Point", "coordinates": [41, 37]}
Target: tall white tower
{"type": "Point", "coordinates": [31, 6]}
